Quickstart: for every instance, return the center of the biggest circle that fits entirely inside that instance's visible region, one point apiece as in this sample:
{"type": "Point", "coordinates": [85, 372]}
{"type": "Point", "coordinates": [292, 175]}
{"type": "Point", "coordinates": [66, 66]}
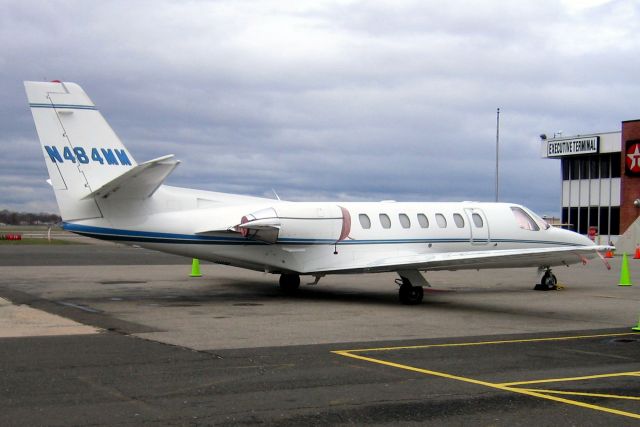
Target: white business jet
{"type": "Point", "coordinates": [102, 192]}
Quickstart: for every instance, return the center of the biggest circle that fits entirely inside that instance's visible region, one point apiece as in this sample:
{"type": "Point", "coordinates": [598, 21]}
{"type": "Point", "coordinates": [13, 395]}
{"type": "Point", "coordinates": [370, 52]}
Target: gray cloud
{"type": "Point", "coordinates": [329, 100]}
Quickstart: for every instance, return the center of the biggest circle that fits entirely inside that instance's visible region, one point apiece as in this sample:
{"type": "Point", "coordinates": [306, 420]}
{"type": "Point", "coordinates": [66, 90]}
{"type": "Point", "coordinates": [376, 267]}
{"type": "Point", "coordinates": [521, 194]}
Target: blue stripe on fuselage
{"type": "Point", "coordinates": [172, 238]}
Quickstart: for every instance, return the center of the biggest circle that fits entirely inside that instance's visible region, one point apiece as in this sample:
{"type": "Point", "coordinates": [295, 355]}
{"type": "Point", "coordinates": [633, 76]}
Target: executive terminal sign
{"type": "Point", "coordinates": [569, 147]}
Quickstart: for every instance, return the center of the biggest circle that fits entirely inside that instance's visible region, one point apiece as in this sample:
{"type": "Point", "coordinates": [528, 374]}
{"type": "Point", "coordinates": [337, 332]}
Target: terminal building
{"type": "Point", "coordinates": [600, 180]}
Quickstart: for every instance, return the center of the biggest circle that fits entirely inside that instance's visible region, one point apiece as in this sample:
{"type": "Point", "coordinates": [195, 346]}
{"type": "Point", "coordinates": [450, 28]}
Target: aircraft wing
{"type": "Point", "coordinates": [504, 258]}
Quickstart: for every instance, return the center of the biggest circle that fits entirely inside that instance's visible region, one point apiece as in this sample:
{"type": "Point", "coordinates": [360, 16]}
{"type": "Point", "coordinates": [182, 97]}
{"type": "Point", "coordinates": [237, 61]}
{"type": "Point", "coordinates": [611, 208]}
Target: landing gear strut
{"type": "Point", "coordinates": [548, 282]}
{"type": "Point", "coordinates": [289, 283]}
{"type": "Point", "coordinates": [409, 294]}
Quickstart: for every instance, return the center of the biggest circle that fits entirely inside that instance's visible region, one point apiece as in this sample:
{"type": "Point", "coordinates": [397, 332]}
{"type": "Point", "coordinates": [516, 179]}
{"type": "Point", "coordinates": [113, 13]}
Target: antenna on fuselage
{"type": "Point", "coordinates": [276, 194]}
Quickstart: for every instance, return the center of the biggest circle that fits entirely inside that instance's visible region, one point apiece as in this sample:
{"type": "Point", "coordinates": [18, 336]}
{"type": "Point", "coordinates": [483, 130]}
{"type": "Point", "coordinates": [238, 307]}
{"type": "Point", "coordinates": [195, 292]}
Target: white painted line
{"type": "Point", "coordinates": [25, 321]}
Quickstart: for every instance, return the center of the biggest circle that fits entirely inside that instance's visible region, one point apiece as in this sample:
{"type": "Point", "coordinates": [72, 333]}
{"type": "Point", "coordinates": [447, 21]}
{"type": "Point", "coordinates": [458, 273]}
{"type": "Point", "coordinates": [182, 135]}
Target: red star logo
{"type": "Point", "coordinates": [632, 158]}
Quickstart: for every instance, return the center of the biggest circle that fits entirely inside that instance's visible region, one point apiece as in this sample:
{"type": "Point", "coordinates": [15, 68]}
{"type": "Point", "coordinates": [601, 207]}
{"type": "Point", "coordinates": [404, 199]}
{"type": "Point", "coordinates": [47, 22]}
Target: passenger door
{"type": "Point", "coordinates": [478, 226]}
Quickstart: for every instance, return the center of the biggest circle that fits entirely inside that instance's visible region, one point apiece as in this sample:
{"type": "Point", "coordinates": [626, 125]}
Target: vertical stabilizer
{"type": "Point", "coordinates": [80, 149]}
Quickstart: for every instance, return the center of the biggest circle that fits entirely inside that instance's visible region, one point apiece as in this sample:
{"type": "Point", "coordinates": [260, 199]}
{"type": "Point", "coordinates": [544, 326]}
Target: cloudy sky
{"type": "Point", "coordinates": [348, 100]}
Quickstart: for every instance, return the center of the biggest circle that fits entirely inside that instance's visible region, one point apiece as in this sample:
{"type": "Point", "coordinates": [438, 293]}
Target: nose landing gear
{"type": "Point", "coordinates": [548, 282]}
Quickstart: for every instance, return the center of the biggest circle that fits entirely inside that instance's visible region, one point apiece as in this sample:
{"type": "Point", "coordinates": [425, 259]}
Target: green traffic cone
{"type": "Point", "coordinates": [195, 268]}
{"type": "Point", "coordinates": [637, 327]}
{"type": "Point", "coordinates": [625, 276]}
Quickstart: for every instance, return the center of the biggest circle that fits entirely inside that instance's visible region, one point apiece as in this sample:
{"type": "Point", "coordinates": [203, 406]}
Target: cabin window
{"type": "Point", "coordinates": [477, 220]}
{"type": "Point", "coordinates": [524, 220]}
{"type": "Point", "coordinates": [423, 220]}
{"type": "Point", "coordinates": [457, 218]}
{"type": "Point", "coordinates": [365, 222]}
{"type": "Point", "coordinates": [404, 220]}
{"type": "Point", "coordinates": [385, 221]}
{"type": "Point", "coordinates": [441, 220]}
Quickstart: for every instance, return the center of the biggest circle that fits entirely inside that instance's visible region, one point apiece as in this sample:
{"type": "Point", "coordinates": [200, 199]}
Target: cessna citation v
{"type": "Point", "coordinates": [102, 192]}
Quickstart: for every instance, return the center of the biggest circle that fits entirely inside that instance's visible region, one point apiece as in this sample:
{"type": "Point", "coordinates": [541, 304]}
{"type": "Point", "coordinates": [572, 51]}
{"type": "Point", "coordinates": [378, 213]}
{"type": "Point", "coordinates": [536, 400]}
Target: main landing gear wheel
{"type": "Point", "coordinates": [289, 282]}
{"type": "Point", "coordinates": [548, 282]}
{"type": "Point", "coordinates": [409, 294]}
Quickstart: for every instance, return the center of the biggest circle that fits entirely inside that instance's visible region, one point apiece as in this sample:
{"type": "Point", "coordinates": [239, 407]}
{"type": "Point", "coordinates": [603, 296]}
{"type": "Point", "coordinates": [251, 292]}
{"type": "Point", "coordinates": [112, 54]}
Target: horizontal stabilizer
{"type": "Point", "coordinates": [139, 182]}
{"type": "Point", "coordinates": [261, 224]}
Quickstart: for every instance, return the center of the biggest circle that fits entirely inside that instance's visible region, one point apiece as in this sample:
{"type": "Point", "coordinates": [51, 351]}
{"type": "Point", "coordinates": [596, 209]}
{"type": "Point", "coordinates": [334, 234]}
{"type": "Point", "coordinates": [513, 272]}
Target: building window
{"type": "Point", "coordinates": [457, 218]}
{"type": "Point", "coordinates": [603, 227]}
{"type": "Point", "coordinates": [583, 220]}
{"type": "Point", "coordinates": [574, 165]}
{"type": "Point", "coordinates": [404, 220]}
{"type": "Point", "coordinates": [423, 220]}
{"type": "Point", "coordinates": [441, 220]}
{"type": "Point", "coordinates": [615, 166]}
{"type": "Point", "coordinates": [592, 216]}
{"type": "Point", "coordinates": [584, 167]}
{"type": "Point", "coordinates": [573, 219]}
{"type": "Point", "coordinates": [385, 221]}
{"type": "Point", "coordinates": [565, 164]}
{"type": "Point", "coordinates": [594, 166]}
{"type": "Point", "coordinates": [524, 220]}
{"type": "Point", "coordinates": [365, 222]}
{"type": "Point", "coordinates": [605, 165]}
{"type": "Point", "coordinates": [477, 220]}
{"type": "Point", "coordinates": [615, 220]}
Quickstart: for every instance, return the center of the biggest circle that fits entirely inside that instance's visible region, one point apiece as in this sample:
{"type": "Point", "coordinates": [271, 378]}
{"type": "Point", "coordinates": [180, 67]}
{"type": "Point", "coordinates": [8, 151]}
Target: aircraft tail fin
{"type": "Point", "coordinates": [81, 151]}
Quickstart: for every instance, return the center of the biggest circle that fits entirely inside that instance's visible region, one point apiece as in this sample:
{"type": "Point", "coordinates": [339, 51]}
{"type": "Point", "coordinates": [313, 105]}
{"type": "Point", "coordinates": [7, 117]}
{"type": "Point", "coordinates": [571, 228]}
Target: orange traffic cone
{"type": "Point", "coordinates": [608, 254]}
{"type": "Point", "coordinates": [637, 254]}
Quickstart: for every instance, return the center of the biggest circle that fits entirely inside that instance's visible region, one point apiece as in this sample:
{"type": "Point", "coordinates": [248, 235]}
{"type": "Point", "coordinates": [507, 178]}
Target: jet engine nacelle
{"type": "Point", "coordinates": [297, 223]}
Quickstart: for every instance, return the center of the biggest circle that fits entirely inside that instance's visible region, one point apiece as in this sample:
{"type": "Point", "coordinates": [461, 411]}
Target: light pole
{"type": "Point", "coordinates": [497, 152]}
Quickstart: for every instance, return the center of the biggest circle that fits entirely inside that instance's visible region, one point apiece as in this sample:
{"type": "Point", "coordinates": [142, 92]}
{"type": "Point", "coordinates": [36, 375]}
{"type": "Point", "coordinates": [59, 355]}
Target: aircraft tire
{"type": "Point", "coordinates": [289, 283]}
{"type": "Point", "coordinates": [411, 295]}
{"type": "Point", "coordinates": [549, 282]}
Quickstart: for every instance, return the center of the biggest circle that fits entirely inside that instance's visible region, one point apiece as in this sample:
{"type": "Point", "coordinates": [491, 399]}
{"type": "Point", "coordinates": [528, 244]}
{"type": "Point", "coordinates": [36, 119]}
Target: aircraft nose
{"type": "Point", "coordinates": [576, 238]}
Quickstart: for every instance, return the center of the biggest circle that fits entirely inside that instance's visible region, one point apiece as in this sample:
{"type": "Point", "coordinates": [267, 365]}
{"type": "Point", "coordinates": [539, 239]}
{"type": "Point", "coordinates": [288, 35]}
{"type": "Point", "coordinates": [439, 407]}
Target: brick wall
{"type": "Point", "coordinates": [629, 185]}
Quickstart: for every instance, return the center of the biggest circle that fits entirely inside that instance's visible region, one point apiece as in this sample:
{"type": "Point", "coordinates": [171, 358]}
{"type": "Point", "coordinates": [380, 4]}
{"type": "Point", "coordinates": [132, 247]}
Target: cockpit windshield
{"type": "Point", "coordinates": [528, 220]}
{"type": "Point", "coordinates": [543, 224]}
{"type": "Point", "coordinates": [524, 220]}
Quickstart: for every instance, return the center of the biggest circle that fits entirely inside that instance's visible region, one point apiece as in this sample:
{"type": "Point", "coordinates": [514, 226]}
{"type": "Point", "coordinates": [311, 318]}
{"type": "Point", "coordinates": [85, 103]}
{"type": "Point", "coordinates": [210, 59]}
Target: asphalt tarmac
{"type": "Point", "coordinates": [85, 254]}
{"type": "Point", "coordinates": [229, 349]}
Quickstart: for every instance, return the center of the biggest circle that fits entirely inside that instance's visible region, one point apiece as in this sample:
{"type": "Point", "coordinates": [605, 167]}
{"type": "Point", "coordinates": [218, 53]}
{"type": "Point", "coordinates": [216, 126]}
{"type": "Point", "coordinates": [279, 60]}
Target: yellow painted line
{"type": "Point", "coordinates": [578, 393]}
{"type": "Point", "coordinates": [586, 377]}
{"type": "Point", "coordinates": [487, 384]}
{"type": "Point", "coordinates": [420, 370]}
{"type": "Point", "coordinates": [467, 344]}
